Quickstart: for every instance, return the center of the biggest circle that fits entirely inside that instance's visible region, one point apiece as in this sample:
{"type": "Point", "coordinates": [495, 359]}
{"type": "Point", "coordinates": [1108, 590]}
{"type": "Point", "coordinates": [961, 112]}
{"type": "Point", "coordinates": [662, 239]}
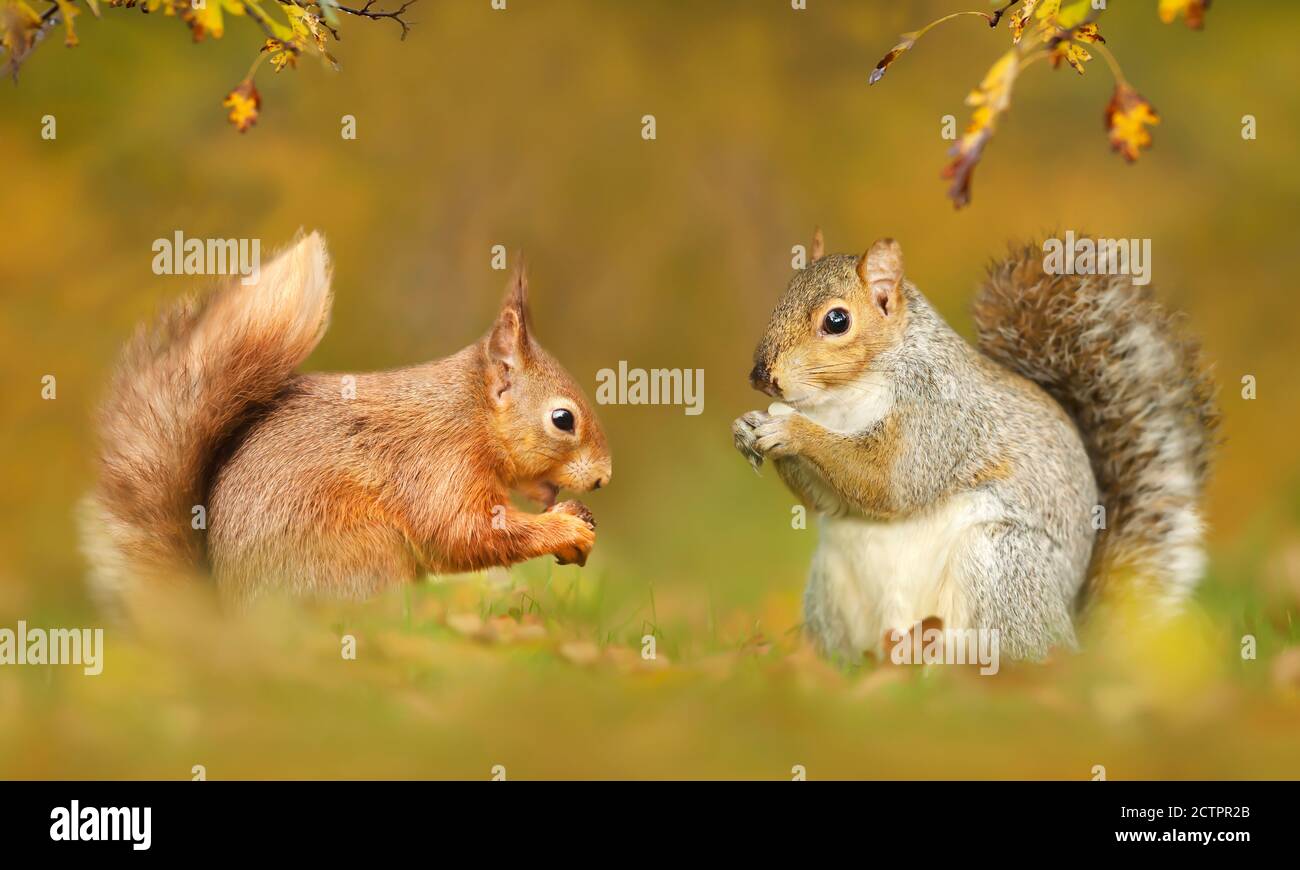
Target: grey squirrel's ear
{"type": "Point", "coordinates": [818, 245]}
{"type": "Point", "coordinates": [881, 270]}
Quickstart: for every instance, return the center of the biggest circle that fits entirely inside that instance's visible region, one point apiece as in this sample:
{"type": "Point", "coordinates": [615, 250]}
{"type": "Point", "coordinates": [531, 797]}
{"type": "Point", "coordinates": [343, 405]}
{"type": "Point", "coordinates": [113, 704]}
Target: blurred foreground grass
{"type": "Point", "coordinates": [537, 672]}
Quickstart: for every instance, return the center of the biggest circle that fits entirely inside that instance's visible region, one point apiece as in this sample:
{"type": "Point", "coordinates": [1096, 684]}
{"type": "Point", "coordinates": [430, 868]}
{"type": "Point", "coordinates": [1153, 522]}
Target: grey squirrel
{"type": "Point", "coordinates": [968, 484]}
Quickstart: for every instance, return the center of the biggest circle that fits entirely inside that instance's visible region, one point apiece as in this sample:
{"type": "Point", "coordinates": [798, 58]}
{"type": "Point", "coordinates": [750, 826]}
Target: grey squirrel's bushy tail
{"type": "Point", "coordinates": [1116, 360]}
{"type": "Point", "coordinates": [181, 387]}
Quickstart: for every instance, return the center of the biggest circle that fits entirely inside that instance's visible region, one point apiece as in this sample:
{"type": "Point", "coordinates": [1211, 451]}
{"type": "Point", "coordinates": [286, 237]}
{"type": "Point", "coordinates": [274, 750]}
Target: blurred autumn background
{"type": "Point", "coordinates": [523, 128]}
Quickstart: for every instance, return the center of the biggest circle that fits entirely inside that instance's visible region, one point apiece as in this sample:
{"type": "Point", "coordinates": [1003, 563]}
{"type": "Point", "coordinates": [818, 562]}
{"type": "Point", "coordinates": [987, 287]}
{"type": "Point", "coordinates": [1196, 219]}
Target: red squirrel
{"type": "Point", "coordinates": [217, 454]}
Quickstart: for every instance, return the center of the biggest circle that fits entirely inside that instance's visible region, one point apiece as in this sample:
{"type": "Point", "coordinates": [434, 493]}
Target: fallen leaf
{"type": "Point", "coordinates": [1286, 670]}
{"type": "Point", "coordinates": [879, 678]}
{"type": "Point", "coordinates": [507, 629]}
{"type": "Point", "coordinates": [580, 652]}
{"type": "Point", "coordinates": [467, 624]}
{"type": "Point", "coordinates": [629, 659]}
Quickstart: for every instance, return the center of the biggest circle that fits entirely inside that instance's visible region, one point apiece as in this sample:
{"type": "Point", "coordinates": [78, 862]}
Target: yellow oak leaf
{"type": "Point", "coordinates": [279, 30]}
{"type": "Point", "coordinates": [1052, 18]}
{"type": "Point", "coordinates": [1088, 33]}
{"type": "Point", "coordinates": [1073, 14]}
{"type": "Point", "coordinates": [994, 90]}
{"type": "Point", "coordinates": [19, 26]}
{"type": "Point", "coordinates": [281, 55]}
{"type": "Point", "coordinates": [307, 27]}
{"type": "Point", "coordinates": [1065, 31]}
{"type": "Point", "coordinates": [1128, 115]}
{"type": "Point", "coordinates": [1020, 19]}
{"type": "Point", "coordinates": [1193, 11]}
{"type": "Point", "coordinates": [989, 100]}
{"type": "Point", "coordinates": [244, 102]}
{"type": "Point", "coordinates": [68, 12]}
{"type": "Point", "coordinates": [205, 16]}
{"type": "Point", "coordinates": [1070, 52]}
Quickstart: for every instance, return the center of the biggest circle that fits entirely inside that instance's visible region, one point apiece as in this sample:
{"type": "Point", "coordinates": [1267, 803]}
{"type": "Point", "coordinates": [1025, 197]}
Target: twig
{"type": "Point", "coordinates": [365, 12]}
{"type": "Point", "coordinates": [1115, 71]}
{"type": "Point", "coordinates": [997, 15]}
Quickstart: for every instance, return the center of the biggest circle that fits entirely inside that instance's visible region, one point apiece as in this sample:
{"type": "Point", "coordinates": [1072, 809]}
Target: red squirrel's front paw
{"type": "Point", "coordinates": [575, 509]}
{"type": "Point", "coordinates": [580, 534]}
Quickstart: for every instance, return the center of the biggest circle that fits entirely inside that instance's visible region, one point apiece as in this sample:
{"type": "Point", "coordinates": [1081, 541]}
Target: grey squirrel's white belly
{"type": "Point", "coordinates": [869, 576]}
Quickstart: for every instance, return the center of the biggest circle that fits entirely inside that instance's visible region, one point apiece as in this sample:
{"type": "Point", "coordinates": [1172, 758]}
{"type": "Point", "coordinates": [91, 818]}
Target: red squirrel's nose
{"type": "Point", "coordinates": [762, 380]}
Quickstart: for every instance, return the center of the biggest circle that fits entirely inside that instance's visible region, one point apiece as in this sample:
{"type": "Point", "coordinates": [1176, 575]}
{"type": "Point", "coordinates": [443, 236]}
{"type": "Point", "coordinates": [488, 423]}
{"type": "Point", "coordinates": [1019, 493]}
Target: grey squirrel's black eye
{"type": "Point", "coordinates": [836, 322]}
{"type": "Point", "coordinates": [563, 419]}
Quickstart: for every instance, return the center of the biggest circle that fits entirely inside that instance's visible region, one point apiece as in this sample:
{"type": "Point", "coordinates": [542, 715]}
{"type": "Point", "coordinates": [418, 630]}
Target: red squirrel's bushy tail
{"type": "Point", "coordinates": [1143, 400]}
{"type": "Point", "coordinates": [181, 387]}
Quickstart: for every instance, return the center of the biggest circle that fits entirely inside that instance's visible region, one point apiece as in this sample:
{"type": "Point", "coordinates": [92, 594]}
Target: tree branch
{"type": "Point", "coordinates": [366, 12]}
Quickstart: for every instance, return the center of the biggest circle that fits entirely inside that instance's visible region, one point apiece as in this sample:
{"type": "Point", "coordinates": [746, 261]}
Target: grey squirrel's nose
{"type": "Point", "coordinates": [761, 379]}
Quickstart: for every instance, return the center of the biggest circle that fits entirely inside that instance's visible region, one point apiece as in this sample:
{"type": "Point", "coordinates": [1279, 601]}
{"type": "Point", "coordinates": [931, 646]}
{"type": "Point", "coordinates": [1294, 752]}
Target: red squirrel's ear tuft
{"type": "Point", "coordinates": [881, 270]}
{"type": "Point", "coordinates": [818, 245]}
{"type": "Point", "coordinates": [517, 291]}
{"type": "Point", "coordinates": [508, 341]}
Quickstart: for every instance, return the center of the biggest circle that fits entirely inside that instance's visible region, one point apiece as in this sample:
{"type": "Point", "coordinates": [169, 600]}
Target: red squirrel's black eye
{"type": "Point", "coordinates": [836, 322]}
{"type": "Point", "coordinates": [563, 419]}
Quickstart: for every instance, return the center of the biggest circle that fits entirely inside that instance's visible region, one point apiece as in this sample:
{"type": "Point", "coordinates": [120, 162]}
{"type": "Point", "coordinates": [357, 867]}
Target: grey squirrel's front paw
{"type": "Point", "coordinates": [745, 433]}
